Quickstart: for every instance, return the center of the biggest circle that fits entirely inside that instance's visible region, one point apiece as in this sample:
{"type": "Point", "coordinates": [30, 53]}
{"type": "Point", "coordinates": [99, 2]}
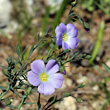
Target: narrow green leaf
{"type": "Point", "coordinates": [31, 50]}
{"type": "Point", "coordinates": [30, 103]}
{"type": "Point", "coordinates": [2, 88]}
{"type": "Point", "coordinates": [4, 67]}
{"type": "Point", "coordinates": [106, 91]}
{"type": "Point", "coordinates": [106, 67]}
{"type": "Point", "coordinates": [98, 42]}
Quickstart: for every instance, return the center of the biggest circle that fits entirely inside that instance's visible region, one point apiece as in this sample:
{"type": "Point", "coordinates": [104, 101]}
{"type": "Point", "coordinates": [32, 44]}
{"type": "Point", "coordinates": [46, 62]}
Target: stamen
{"type": "Point", "coordinates": [44, 77]}
{"type": "Point", "coordinates": [65, 37]}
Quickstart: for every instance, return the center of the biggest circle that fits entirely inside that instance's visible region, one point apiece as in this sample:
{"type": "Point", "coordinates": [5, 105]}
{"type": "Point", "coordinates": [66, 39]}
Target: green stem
{"type": "Point", "coordinates": [4, 93]}
{"type": "Point", "coordinates": [51, 49]}
{"type": "Point", "coordinates": [24, 98]}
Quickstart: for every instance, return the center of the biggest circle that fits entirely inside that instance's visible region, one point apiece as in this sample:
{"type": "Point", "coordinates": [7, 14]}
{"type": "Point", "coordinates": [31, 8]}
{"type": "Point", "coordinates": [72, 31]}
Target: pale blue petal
{"type": "Point", "coordinates": [53, 70]}
{"type": "Point", "coordinates": [58, 29]}
{"type": "Point", "coordinates": [56, 80]}
{"type": "Point", "coordinates": [52, 64]}
{"type": "Point", "coordinates": [70, 26]}
{"type": "Point", "coordinates": [65, 45]}
{"type": "Point", "coordinates": [33, 78]}
{"type": "Point", "coordinates": [61, 28]}
{"type": "Point", "coordinates": [46, 88]}
{"type": "Point", "coordinates": [59, 38]}
{"type": "Point", "coordinates": [37, 66]}
{"type": "Point", "coordinates": [71, 30]}
{"type": "Point", "coordinates": [73, 42]}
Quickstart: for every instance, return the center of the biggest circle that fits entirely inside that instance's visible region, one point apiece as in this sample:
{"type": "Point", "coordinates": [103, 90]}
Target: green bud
{"type": "Point", "coordinates": [79, 100]}
{"type": "Point", "coordinates": [66, 94]}
{"type": "Point", "coordinates": [9, 102]}
{"type": "Point", "coordinates": [73, 3]}
{"type": "Point", "coordinates": [81, 85]}
{"type": "Point", "coordinates": [86, 26]}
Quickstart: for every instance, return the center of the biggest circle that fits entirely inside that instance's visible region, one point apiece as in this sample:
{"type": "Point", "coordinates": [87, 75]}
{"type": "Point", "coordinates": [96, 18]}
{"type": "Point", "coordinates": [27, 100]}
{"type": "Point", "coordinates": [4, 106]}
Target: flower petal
{"type": "Point", "coordinates": [70, 26]}
{"type": "Point", "coordinates": [58, 29]}
{"type": "Point", "coordinates": [52, 67]}
{"type": "Point", "coordinates": [61, 28]}
{"type": "Point", "coordinates": [57, 80]}
{"type": "Point", "coordinates": [46, 88]}
{"type": "Point", "coordinates": [33, 78]}
{"type": "Point", "coordinates": [65, 45]}
{"type": "Point", "coordinates": [37, 66]}
{"type": "Point", "coordinates": [59, 38]}
{"type": "Point", "coordinates": [73, 42]}
{"type": "Point", "coordinates": [77, 40]}
{"type": "Point", "coordinates": [71, 30]}
{"type": "Point", "coordinates": [51, 64]}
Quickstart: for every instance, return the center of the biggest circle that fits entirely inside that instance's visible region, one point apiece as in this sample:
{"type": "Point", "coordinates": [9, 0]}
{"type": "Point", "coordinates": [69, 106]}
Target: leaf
{"type": "Point", "coordinates": [18, 51]}
{"type": "Point", "coordinates": [98, 42]}
{"type": "Point", "coordinates": [4, 67]}
{"type": "Point", "coordinates": [106, 67]}
{"type": "Point", "coordinates": [75, 55]}
{"type": "Point", "coordinates": [31, 50]}
{"type": "Point", "coordinates": [30, 103]}
{"type": "Point", "coordinates": [106, 91]}
{"type": "Point", "coordinates": [22, 56]}
{"type": "Point", "coordinates": [3, 88]}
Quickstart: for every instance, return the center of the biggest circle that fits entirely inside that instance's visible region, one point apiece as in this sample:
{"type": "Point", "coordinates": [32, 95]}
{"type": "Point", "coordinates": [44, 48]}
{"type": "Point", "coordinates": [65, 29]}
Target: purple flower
{"type": "Point", "coordinates": [66, 36]}
{"type": "Point", "coordinates": [45, 77]}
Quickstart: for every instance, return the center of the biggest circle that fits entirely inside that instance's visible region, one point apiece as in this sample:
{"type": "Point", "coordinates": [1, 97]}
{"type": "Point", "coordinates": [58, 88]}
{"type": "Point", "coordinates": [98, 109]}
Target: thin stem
{"type": "Point", "coordinates": [49, 51]}
{"type": "Point", "coordinates": [24, 98]}
{"type": "Point", "coordinates": [70, 10]}
{"type": "Point", "coordinates": [68, 15]}
{"type": "Point", "coordinates": [54, 103]}
{"type": "Point", "coordinates": [4, 93]}
{"type": "Point", "coordinates": [38, 103]}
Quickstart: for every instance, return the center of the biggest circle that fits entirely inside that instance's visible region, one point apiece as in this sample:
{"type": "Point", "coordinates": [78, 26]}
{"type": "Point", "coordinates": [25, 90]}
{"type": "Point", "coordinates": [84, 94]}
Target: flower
{"type": "Point", "coordinates": [45, 77]}
{"type": "Point", "coordinates": [66, 35]}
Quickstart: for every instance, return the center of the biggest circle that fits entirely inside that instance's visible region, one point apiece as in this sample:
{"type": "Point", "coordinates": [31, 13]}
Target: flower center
{"type": "Point", "coordinates": [65, 37]}
{"type": "Point", "coordinates": [44, 77]}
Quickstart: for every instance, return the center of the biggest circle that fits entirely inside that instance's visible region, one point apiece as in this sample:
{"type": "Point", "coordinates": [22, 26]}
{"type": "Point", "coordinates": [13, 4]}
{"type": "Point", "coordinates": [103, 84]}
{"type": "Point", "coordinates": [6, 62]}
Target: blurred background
{"type": "Point", "coordinates": [22, 20]}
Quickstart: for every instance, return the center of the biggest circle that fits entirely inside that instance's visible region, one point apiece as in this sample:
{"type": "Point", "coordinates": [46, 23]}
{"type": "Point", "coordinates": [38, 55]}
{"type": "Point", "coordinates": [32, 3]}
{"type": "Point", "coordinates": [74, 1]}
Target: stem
{"type": "Point", "coordinates": [24, 98]}
{"type": "Point", "coordinates": [54, 103]}
{"type": "Point", "coordinates": [49, 51]}
{"type": "Point", "coordinates": [70, 10]}
{"type": "Point", "coordinates": [48, 54]}
{"type": "Point", "coordinates": [4, 93]}
{"type": "Point", "coordinates": [38, 103]}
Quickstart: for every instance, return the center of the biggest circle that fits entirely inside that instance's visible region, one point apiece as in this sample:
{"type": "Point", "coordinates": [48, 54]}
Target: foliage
{"type": "Point", "coordinates": [17, 68]}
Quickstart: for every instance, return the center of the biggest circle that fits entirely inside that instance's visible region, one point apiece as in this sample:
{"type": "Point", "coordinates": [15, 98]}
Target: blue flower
{"type": "Point", "coordinates": [66, 36]}
{"type": "Point", "coordinates": [45, 77]}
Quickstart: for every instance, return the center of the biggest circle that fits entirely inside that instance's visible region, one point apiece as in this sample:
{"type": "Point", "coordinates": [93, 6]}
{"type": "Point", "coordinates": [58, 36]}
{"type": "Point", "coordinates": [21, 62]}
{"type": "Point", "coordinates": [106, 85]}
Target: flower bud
{"type": "Point", "coordinates": [79, 100]}
{"type": "Point", "coordinates": [81, 85]}
{"type": "Point", "coordinates": [73, 3]}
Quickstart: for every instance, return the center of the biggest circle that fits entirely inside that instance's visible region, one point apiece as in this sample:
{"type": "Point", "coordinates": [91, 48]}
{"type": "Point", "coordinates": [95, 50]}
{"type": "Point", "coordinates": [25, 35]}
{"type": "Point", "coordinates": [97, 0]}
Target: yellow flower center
{"type": "Point", "coordinates": [44, 77]}
{"type": "Point", "coordinates": [65, 37]}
